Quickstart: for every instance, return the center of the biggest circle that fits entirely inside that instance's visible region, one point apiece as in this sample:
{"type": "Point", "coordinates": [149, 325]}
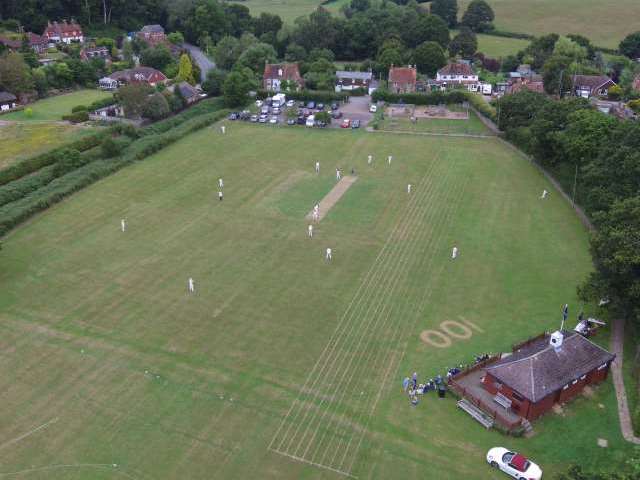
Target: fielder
{"type": "Point", "coordinates": [223, 129]}
{"type": "Point", "coordinates": [316, 212]}
{"type": "Point", "coordinates": [310, 230]}
{"type": "Point", "coordinates": [369, 159]}
{"type": "Point", "coordinates": [328, 255]}
{"type": "Point", "coordinates": [191, 285]}
{"type": "Point", "coordinates": [409, 188]}
{"type": "Point", "coordinates": [389, 159]}
{"type": "Point", "coordinates": [123, 225]}
{"type": "Point", "coordinates": [317, 167]}
{"type": "Point", "coordinates": [220, 183]}
{"type": "Point", "coordinates": [454, 253]}
{"type": "Point", "coordinates": [220, 196]}
{"type": "Point", "coordinates": [338, 174]}
{"type": "Point", "coordinates": [544, 195]}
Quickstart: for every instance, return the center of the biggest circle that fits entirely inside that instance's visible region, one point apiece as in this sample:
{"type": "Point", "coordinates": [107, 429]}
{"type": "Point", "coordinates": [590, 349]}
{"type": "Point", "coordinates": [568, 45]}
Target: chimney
{"type": "Point", "coordinates": [556, 340]}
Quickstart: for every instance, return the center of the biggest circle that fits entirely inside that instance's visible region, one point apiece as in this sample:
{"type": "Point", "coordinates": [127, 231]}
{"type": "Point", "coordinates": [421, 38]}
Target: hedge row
{"type": "Point", "coordinates": [98, 104]}
{"type": "Point", "coordinates": [507, 34]}
{"type": "Point", "coordinates": [482, 106]}
{"type": "Point", "coordinates": [206, 106]}
{"type": "Point", "coordinates": [323, 96]}
{"type": "Point", "coordinates": [30, 165]}
{"type": "Point", "coordinates": [434, 98]}
{"type": "Point", "coordinates": [14, 213]}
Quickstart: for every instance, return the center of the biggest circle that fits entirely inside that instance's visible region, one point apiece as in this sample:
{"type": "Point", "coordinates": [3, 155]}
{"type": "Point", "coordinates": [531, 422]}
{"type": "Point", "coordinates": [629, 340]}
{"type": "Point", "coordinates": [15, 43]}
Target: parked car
{"type": "Point", "coordinates": [320, 124]}
{"type": "Point", "coordinates": [233, 116]}
{"type": "Point", "coordinates": [259, 103]}
{"type": "Point", "coordinates": [245, 115]}
{"type": "Point", "coordinates": [311, 121]}
{"type": "Point", "coordinates": [301, 121]}
{"type": "Point", "coordinates": [290, 103]}
{"type": "Point", "coordinates": [268, 101]}
{"type": "Point", "coordinates": [292, 121]}
{"type": "Point", "coordinates": [262, 119]}
{"type": "Point", "coordinates": [355, 124]}
{"type": "Point", "coordinates": [334, 106]}
{"type": "Point", "coordinates": [264, 110]}
{"type": "Point", "coordinates": [276, 111]}
{"type": "Point", "coordinates": [273, 119]}
{"type": "Point", "coordinates": [311, 105]}
{"type": "Point", "coordinates": [254, 118]}
{"type": "Point", "coordinates": [373, 108]}
{"type": "Point", "coordinates": [336, 114]}
{"type": "Point", "coordinates": [320, 106]}
{"type": "Point", "coordinates": [346, 123]}
{"type": "Point", "coordinates": [513, 464]}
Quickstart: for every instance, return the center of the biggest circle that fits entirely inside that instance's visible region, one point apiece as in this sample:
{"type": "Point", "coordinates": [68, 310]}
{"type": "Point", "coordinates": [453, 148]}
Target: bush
{"type": "Point", "coordinates": [28, 112]}
{"type": "Point", "coordinates": [105, 102]}
{"type": "Point", "coordinates": [112, 147]}
{"type": "Point", "coordinates": [77, 117]}
{"type": "Point", "coordinates": [79, 108]}
{"type": "Point", "coordinates": [156, 107]}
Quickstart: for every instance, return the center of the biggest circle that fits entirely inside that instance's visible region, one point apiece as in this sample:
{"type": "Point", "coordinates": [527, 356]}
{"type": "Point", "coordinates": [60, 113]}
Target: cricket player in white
{"type": "Point", "coordinates": [454, 253]}
{"type": "Point", "coordinates": [317, 167]}
{"type": "Point", "coordinates": [223, 129]}
{"type": "Point", "coordinates": [544, 194]}
{"type": "Point", "coordinates": [310, 229]}
{"type": "Point", "coordinates": [220, 195]}
{"type": "Point", "coordinates": [328, 255]}
{"type": "Point", "coordinates": [389, 159]}
{"type": "Point", "coordinates": [338, 174]}
{"type": "Point", "coordinates": [220, 183]}
{"type": "Point", "coordinates": [191, 285]}
{"type": "Point", "coordinates": [369, 159]}
{"type": "Point", "coordinates": [123, 225]}
{"type": "Point", "coordinates": [409, 188]}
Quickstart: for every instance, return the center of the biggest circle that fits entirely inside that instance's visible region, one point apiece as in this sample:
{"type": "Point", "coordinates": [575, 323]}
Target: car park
{"type": "Point", "coordinates": [373, 108]}
{"type": "Point", "coordinates": [336, 114]}
{"type": "Point", "coordinates": [264, 110]}
{"type": "Point", "coordinates": [301, 121]}
{"type": "Point", "coordinates": [245, 115]}
{"type": "Point", "coordinates": [513, 464]}
{"type": "Point", "coordinates": [311, 121]}
{"type": "Point", "coordinates": [254, 118]}
{"type": "Point", "coordinates": [355, 124]}
{"type": "Point", "coordinates": [346, 123]}
{"type": "Point", "coordinates": [276, 111]}
{"type": "Point", "coordinates": [262, 119]}
{"type": "Point", "coordinates": [233, 116]}
{"type": "Point", "coordinates": [334, 106]}
{"type": "Point", "coordinates": [273, 119]}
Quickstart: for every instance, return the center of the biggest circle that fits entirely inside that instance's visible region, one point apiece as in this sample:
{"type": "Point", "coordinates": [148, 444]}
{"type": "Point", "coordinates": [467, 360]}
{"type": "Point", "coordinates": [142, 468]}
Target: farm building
{"type": "Point", "coordinates": [346, 80]}
{"type": "Point", "coordinates": [65, 32]}
{"type": "Point", "coordinates": [402, 79]}
{"type": "Point", "coordinates": [276, 73]}
{"type": "Point", "coordinates": [587, 86]}
{"type": "Point", "coordinates": [7, 101]}
{"type": "Point", "coordinates": [147, 75]}
{"type": "Point", "coordinates": [547, 370]}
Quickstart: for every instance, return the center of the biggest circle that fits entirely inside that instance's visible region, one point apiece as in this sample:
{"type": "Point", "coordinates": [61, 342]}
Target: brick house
{"type": "Point", "coordinates": [402, 79]}
{"type": "Point", "coordinates": [65, 32]}
{"type": "Point", "coordinates": [546, 370]}
{"type": "Point", "coordinates": [152, 34]}
{"type": "Point", "coordinates": [38, 43]}
{"type": "Point", "coordinates": [525, 84]}
{"type": "Point", "coordinates": [587, 86]}
{"type": "Point", "coordinates": [147, 75]}
{"type": "Point", "coordinates": [276, 73]}
{"type": "Point", "coordinates": [346, 80]}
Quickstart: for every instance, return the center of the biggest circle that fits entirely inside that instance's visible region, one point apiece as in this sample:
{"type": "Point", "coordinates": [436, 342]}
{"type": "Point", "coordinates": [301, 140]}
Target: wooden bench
{"type": "Point", "coordinates": [484, 419]}
{"type": "Point", "coordinates": [502, 401]}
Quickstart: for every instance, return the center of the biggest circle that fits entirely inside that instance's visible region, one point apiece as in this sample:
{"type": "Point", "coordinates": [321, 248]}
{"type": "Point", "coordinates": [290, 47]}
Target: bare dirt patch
{"type": "Point", "coordinates": [430, 111]}
{"type": "Point", "coordinates": [331, 198]}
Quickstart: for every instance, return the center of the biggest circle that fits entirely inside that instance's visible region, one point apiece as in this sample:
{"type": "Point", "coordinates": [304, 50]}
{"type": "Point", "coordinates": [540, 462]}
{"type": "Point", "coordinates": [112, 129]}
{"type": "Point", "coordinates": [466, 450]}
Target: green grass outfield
{"type": "Point", "coordinates": [53, 108]}
{"type": "Point", "coordinates": [106, 359]}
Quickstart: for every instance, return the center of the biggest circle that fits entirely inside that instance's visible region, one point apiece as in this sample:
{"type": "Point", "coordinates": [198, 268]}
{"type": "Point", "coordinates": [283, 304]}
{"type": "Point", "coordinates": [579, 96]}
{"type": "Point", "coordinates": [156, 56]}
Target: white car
{"type": "Point", "coordinates": [373, 108]}
{"type": "Point", "coordinates": [273, 119]}
{"type": "Point", "coordinates": [259, 103]}
{"type": "Point", "coordinates": [513, 464]}
{"type": "Point", "coordinates": [290, 103]}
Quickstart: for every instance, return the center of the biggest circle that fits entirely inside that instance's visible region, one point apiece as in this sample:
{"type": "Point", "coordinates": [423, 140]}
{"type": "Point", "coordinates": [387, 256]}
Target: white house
{"type": "Point", "coordinates": [457, 73]}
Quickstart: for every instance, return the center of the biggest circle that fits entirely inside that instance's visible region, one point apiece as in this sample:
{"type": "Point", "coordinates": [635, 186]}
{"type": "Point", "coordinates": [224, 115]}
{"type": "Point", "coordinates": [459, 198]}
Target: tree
{"type": "Point", "coordinates": [266, 23]}
{"type": "Point", "coordinates": [541, 49]}
{"type": "Point", "coordinates": [323, 117]}
{"type": "Point", "coordinates": [519, 109]}
{"type": "Point", "coordinates": [295, 53]}
{"type": "Point", "coordinates": [387, 58]}
{"type": "Point", "coordinates": [429, 58]}
{"type": "Point", "coordinates": [158, 57]}
{"type": "Point", "coordinates": [584, 133]}
{"type": "Point", "coordinates": [630, 46]}
{"type": "Point", "coordinates": [256, 56]}
{"type": "Point", "coordinates": [177, 38]}
{"type": "Point", "coordinates": [446, 10]}
{"type": "Point", "coordinates": [568, 48]}
{"type": "Point", "coordinates": [583, 42]}
{"type": "Point", "coordinates": [556, 75]}
{"type": "Point", "coordinates": [427, 28]}
{"type": "Point", "coordinates": [320, 75]}
{"type": "Point", "coordinates": [185, 70]}
{"type": "Point", "coordinates": [226, 52]}
{"type": "Point", "coordinates": [464, 43]}
{"type": "Point", "coordinates": [213, 84]}
{"type": "Point", "coordinates": [15, 76]}
{"type": "Point", "coordinates": [237, 86]}
{"type": "Point", "coordinates": [156, 107]}
{"type": "Point", "coordinates": [360, 5]}
{"type": "Point", "coordinates": [127, 53]}
{"type": "Point", "coordinates": [206, 17]}
{"type": "Point", "coordinates": [479, 16]}
{"type": "Point", "coordinates": [133, 97]}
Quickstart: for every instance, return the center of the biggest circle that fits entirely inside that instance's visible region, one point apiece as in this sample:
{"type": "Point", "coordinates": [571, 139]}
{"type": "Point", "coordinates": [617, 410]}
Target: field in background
{"type": "Point", "coordinates": [289, 10]}
{"type": "Point", "coordinates": [22, 140]}
{"type": "Point", "coordinates": [54, 108]}
{"type": "Point", "coordinates": [107, 361]}
{"type": "Point", "coordinates": [604, 22]}
{"type": "Point", "coordinates": [499, 47]}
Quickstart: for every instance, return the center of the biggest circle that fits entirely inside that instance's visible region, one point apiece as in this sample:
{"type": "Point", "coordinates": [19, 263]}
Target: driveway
{"type": "Point", "coordinates": [201, 59]}
{"type": "Point", "coordinates": [356, 109]}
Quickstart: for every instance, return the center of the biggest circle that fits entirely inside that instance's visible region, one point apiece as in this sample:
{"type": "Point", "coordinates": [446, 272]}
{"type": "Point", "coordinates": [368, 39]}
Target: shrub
{"type": "Point", "coordinates": [105, 102]}
{"type": "Point", "coordinates": [68, 160]}
{"type": "Point", "coordinates": [112, 147]}
{"type": "Point", "coordinates": [28, 112]}
{"type": "Point", "coordinates": [79, 108]}
{"type": "Point", "coordinates": [77, 117]}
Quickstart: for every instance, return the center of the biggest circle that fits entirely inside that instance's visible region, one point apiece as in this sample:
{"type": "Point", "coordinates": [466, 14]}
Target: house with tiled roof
{"type": "Point", "coordinates": [89, 53]}
{"type": "Point", "coordinates": [457, 73]}
{"type": "Point", "coordinates": [148, 75]}
{"type": "Point", "coordinates": [587, 86]}
{"type": "Point", "coordinates": [549, 369]}
{"type": "Point", "coordinates": [152, 34]}
{"type": "Point", "coordinates": [347, 80]}
{"type": "Point", "coordinates": [276, 73]}
{"type": "Point", "coordinates": [38, 43]}
{"type": "Point", "coordinates": [65, 32]}
{"type": "Point", "coordinates": [402, 79]}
